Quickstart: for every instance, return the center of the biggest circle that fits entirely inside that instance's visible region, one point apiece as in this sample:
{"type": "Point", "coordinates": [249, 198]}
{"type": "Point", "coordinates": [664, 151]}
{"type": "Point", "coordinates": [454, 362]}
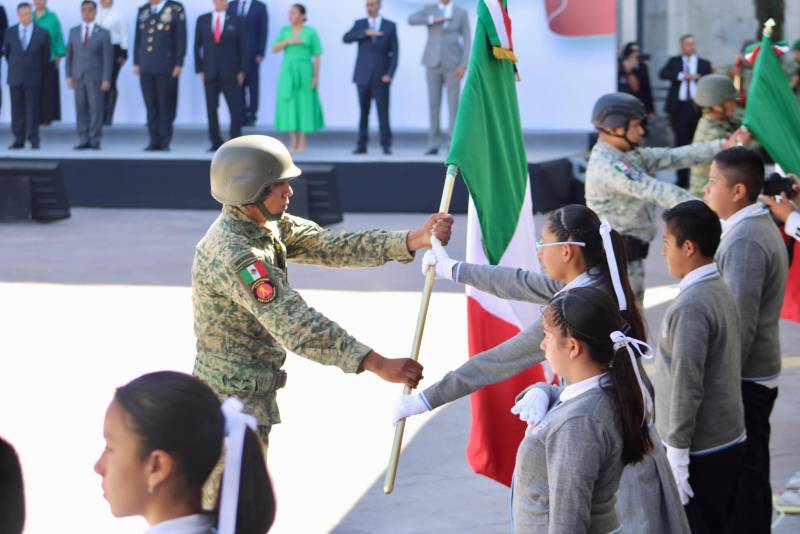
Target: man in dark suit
{"type": "Point", "coordinates": [220, 48]}
{"type": "Point", "coordinates": [3, 28]}
{"type": "Point", "coordinates": [159, 47]}
{"type": "Point", "coordinates": [683, 72]}
{"type": "Point", "coordinates": [256, 21]}
{"type": "Point", "coordinates": [90, 63]}
{"type": "Point", "coordinates": [27, 49]}
{"type": "Point", "coordinates": [375, 66]}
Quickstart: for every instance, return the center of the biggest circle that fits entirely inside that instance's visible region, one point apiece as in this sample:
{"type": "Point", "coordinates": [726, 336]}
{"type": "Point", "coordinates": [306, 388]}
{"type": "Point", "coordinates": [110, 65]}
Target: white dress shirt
{"type": "Point", "coordinates": [25, 33]}
{"type": "Point", "coordinates": [692, 64]}
{"type": "Point", "coordinates": [190, 524]}
{"type": "Point", "coordinates": [694, 276]}
{"type": "Point", "coordinates": [158, 7]}
{"type": "Point", "coordinates": [375, 23]}
{"type": "Point", "coordinates": [792, 226]}
{"type": "Point", "coordinates": [573, 390]}
{"type": "Point", "coordinates": [753, 210]}
{"type": "Point", "coordinates": [112, 20]}
{"type": "Point", "coordinates": [218, 15]}
{"type": "Point", "coordinates": [243, 7]}
{"type": "Point", "coordinates": [445, 11]}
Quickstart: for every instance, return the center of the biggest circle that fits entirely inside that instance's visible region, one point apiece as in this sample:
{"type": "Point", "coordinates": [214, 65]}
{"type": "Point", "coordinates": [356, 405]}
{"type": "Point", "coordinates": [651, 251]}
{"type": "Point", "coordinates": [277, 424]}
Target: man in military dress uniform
{"type": "Point", "coordinates": [719, 99]}
{"type": "Point", "coordinates": [158, 51]}
{"type": "Point", "coordinates": [245, 312]}
{"type": "Point", "coordinates": [620, 182]}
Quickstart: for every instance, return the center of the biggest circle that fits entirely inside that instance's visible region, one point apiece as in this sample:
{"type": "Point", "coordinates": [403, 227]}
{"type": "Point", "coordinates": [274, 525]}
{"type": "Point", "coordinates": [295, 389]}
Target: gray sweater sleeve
{"type": "Point", "coordinates": [690, 332]}
{"type": "Point", "coordinates": [489, 367]}
{"type": "Point", "coordinates": [508, 282]}
{"type": "Point", "coordinates": [574, 454]}
{"type": "Point", "coordinates": [744, 268]}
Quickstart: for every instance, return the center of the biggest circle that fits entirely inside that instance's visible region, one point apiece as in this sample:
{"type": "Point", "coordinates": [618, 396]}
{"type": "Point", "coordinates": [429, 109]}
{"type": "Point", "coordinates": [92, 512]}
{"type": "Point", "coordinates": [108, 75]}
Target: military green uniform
{"type": "Point", "coordinates": [620, 187]}
{"type": "Point", "coordinates": [709, 129]}
{"type": "Point", "coordinates": [246, 312]}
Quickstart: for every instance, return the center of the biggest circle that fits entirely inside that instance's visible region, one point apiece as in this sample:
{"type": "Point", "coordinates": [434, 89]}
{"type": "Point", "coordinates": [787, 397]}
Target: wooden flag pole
{"type": "Point", "coordinates": [394, 457]}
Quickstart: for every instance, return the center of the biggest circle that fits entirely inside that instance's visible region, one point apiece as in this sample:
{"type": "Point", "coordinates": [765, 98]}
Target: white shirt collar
{"type": "Point", "coordinates": [159, 6]}
{"type": "Point", "coordinates": [582, 280]}
{"type": "Point", "coordinates": [448, 9]}
{"type": "Point", "coordinates": [190, 524]}
{"type": "Point", "coordinates": [573, 390]}
{"type": "Point", "coordinates": [375, 20]}
{"type": "Point", "coordinates": [753, 210]}
{"type": "Point", "coordinates": [90, 25]}
{"type": "Point", "coordinates": [21, 27]}
{"type": "Point", "coordinates": [697, 275]}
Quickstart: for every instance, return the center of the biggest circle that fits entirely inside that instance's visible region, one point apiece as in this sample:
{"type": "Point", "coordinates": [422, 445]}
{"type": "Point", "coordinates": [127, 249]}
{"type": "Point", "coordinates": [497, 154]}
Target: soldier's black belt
{"type": "Point", "coordinates": [280, 379]}
{"type": "Point", "coordinates": [635, 248]}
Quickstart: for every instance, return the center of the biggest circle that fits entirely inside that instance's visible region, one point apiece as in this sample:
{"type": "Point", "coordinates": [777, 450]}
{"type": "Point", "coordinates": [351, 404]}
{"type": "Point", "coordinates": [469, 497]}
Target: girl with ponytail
{"type": "Point", "coordinates": [164, 433]}
{"type": "Point", "coordinates": [569, 466]}
{"type": "Point", "coordinates": [576, 249]}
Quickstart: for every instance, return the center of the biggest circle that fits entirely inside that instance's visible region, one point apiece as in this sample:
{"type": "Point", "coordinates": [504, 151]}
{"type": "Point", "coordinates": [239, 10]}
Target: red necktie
{"type": "Point", "coordinates": [86, 37]}
{"type": "Point", "coordinates": [217, 30]}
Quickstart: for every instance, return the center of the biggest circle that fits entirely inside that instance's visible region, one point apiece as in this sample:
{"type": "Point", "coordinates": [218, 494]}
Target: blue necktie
{"type": "Point", "coordinates": [24, 38]}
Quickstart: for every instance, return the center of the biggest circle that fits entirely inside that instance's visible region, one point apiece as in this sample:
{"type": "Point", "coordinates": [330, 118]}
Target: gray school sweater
{"type": "Point", "coordinates": [753, 261]}
{"type": "Point", "coordinates": [698, 369]}
{"type": "Point", "coordinates": [569, 467]}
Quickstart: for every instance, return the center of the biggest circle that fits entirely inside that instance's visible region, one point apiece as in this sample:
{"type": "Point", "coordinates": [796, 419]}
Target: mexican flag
{"type": "Point", "coordinates": [488, 149]}
{"type": "Point", "coordinates": [772, 114]}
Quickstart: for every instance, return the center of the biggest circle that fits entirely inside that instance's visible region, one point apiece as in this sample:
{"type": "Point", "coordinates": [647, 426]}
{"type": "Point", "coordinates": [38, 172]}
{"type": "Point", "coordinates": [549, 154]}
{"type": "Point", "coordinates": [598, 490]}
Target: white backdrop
{"type": "Point", "coordinates": [561, 76]}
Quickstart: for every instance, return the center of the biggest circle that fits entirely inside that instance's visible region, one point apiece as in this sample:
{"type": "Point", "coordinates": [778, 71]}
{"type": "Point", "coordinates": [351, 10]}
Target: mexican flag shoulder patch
{"type": "Point", "coordinates": [254, 275]}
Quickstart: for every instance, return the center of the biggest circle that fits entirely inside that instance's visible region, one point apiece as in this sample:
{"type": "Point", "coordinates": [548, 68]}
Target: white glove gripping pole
{"type": "Point", "coordinates": [394, 457]}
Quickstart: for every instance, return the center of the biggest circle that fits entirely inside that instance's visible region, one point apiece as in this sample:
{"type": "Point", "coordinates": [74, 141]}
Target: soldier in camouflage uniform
{"type": "Point", "coordinates": [246, 313]}
{"type": "Point", "coordinates": [793, 70]}
{"type": "Point", "coordinates": [718, 98]}
{"type": "Point", "coordinates": [620, 182]}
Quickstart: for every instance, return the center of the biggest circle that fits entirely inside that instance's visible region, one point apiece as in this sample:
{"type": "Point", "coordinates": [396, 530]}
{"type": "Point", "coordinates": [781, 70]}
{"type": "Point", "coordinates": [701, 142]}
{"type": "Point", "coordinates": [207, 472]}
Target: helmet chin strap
{"type": "Point", "coordinates": [265, 212]}
{"type": "Point", "coordinates": [631, 144]}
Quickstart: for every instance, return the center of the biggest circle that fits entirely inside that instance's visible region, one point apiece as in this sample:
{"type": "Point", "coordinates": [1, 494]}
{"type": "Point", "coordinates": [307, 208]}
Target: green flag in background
{"type": "Point", "coordinates": [772, 113]}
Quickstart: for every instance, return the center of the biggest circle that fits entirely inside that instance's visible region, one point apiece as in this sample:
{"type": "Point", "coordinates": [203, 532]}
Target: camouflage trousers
{"type": "Point", "coordinates": [212, 486]}
{"type": "Point", "coordinates": [636, 277]}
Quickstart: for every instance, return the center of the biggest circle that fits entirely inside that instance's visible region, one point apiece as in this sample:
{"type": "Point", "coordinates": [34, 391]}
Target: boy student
{"type": "Point", "coordinates": [753, 261]}
{"type": "Point", "coordinates": [698, 367]}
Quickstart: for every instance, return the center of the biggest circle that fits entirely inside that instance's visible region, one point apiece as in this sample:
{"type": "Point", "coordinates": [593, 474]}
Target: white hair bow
{"type": "Point", "coordinates": [620, 340]}
{"type": "Point", "coordinates": [236, 422]}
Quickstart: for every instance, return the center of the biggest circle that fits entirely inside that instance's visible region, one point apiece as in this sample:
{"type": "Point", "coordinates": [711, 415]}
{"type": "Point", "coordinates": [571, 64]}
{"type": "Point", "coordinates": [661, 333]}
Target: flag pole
{"type": "Point", "coordinates": [394, 457]}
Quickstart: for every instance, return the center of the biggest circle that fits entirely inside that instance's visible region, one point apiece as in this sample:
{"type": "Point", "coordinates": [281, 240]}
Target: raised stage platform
{"type": "Point", "coordinates": [122, 175]}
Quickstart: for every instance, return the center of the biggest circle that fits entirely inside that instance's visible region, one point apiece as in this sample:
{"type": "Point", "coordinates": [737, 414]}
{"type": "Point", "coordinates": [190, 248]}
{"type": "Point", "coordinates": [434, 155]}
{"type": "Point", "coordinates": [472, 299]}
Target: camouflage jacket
{"type": "Point", "coordinates": [246, 314]}
{"type": "Point", "coordinates": [708, 129]}
{"type": "Point", "coordinates": [620, 185]}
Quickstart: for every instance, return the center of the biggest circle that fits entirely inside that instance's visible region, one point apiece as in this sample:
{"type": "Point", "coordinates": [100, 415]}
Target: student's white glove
{"type": "Point", "coordinates": [532, 406]}
{"type": "Point", "coordinates": [679, 462]}
{"type": "Point", "coordinates": [408, 405]}
{"type": "Point", "coordinates": [437, 256]}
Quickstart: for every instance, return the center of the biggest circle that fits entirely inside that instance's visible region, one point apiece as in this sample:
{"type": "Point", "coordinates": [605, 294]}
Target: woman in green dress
{"type": "Point", "coordinates": [51, 97]}
{"type": "Point", "coordinates": [297, 107]}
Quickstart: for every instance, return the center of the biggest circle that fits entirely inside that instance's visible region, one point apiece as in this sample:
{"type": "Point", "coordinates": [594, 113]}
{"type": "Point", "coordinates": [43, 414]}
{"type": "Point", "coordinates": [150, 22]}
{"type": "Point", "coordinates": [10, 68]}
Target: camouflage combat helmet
{"type": "Point", "coordinates": [615, 110]}
{"type": "Point", "coordinates": [244, 167]}
{"type": "Point", "coordinates": [713, 90]}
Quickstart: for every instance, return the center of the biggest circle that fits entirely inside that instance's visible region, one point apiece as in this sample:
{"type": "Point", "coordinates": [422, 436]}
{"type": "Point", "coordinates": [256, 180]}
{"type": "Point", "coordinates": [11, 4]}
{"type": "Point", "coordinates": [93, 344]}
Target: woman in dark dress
{"type": "Point", "coordinates": [51, 97]}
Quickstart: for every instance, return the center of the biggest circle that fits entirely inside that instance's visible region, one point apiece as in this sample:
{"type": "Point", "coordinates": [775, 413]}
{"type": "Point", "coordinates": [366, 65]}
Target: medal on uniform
{"type": "Point", "coordinates": [255, 277]}
{"type": "Point", "coordinates": [159, 26]}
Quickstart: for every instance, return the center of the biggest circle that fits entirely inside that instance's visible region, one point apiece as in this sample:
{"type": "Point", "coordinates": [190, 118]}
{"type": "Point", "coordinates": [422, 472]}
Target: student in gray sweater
{"type": "Point", "coordinates": [572, 254]}
{"type": "Point", "coordinates": [753, 262]}
{"type": "Point", "coordinates": [699, 411]}
{"type": "Point", "coordinates": [569, 465]}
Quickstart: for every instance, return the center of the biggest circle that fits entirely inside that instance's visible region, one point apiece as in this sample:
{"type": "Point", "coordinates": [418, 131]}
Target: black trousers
{"type": "Point", "coordinates": [684, 123]}
{"type": "Point", "coordinates": [714, 479]}
{"type": "Point", "coordinates": [110, 102]}
{"type": "Point", "coordinates": [25, 112]}
{"type": "Point", "coordinates": [379, 91]}
{"type": "Point", "coordinates": [233, 97]}
{"type": "Point", "coordinates": [250, 92]}
{"type": "Point", "coordinates": [160, 92]}
{"type": "Point", "coordinates": [755, 491]}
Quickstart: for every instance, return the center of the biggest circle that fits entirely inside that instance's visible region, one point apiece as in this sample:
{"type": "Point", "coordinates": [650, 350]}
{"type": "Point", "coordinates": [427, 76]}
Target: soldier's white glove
{"type": "Point", "coordinates": [532, 406]}
{"type": "Point", "coordinates": [408, 405]}
{"type": "Point", "coordinates": [437, 256]}
{"type": "Point", "coordinates": [679, 462]}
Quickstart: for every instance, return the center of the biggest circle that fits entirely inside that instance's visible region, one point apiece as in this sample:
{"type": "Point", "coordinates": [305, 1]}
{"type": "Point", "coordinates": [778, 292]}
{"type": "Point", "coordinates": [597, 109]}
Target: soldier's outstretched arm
{"type": "Point", "coordinates": [661, 158]}
{"type": "Point", "coordinates": [264, 291]}
{"type": "Point", "coordinates": [629, 182]}
{"type": "Point", "coordinates": [307, 242]}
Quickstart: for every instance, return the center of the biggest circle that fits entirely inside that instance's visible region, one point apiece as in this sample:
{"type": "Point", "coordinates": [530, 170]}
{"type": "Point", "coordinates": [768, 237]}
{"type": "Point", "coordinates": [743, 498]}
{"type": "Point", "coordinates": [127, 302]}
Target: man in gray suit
{"type": "Point", "coordinates": [90, 63]}
{"type": "Point", "coordinates": [445, 58]}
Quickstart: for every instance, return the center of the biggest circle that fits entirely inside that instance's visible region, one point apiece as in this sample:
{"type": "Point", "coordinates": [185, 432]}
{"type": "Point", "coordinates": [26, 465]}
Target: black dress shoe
{"type": "Point", "coordinates": [82, 146]}
{"type": "Point", "coordinates": [360, 150]}
{"type": "Point", "coordinates": [250, 122]}
{"type": "Point", "coordinates": [16, 146]}
{"type": "Point", "coordinates": [35, 146]}
{"type": "Point", "coordinates": [95, 147]}
{"type": "Point", "coordinates": [432, 152]}
{"type": "Point", "coordinates": [164, 148]}
{"type": "Point", "coordinates": [387, 150]}
{"type": "Point", "coordinates": [151, 148]}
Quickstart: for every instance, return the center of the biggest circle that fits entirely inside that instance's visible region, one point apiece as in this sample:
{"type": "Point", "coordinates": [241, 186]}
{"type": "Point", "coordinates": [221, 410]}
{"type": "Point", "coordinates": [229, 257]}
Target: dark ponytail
{"type": "Point", "coordinates": [590, 315]}
{"type": "Point", "coordinates": [177, 413]}
{"type": "Point", "coordinates": [575, 222]}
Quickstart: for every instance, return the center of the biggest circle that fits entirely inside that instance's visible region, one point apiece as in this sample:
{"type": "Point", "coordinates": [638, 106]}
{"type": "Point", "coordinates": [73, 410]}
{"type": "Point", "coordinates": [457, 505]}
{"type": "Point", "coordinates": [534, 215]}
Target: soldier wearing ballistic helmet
{"type": "Point", "coordinates": [245, 312]}
{"type": "Point", "coordinates": [719, 99]}
{"type": "Point", "coordinates": [620, 182]}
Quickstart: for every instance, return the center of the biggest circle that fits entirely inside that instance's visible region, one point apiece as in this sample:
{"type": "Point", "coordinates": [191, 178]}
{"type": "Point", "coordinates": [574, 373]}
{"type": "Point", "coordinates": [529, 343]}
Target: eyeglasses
{"type": "Point", "coordinates": [540, 245]}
